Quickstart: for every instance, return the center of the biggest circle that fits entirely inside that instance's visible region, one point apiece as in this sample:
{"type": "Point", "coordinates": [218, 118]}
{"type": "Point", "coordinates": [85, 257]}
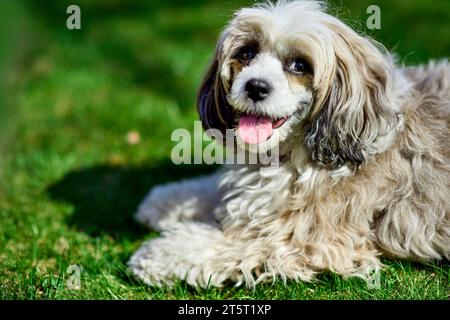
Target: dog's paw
{"type": "Point", "coordinates": [188, 252]}
{"type": "Point", "coordinates": [150, 266]}
{"type": "Point", "coordinates": [177, 202]}
{"type": "Point", "coordinates": [166, 205]}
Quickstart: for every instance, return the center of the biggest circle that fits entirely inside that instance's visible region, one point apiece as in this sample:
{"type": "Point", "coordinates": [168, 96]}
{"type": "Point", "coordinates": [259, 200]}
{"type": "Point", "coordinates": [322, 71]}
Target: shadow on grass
{"type": "Point", "coordinates": [105, 197]}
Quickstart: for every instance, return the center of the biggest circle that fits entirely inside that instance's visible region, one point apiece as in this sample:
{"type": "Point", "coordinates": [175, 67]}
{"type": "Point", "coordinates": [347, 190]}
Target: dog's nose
{"type": "Point", "coordinates": [257, 89]}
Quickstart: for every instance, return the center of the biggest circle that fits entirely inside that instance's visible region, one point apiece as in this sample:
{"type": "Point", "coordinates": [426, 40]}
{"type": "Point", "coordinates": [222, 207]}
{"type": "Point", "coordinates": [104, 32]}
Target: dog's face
{"type": "Point", "coordinates": [290, 73]}
{"type": "Point", "coordinates": [270, 89]}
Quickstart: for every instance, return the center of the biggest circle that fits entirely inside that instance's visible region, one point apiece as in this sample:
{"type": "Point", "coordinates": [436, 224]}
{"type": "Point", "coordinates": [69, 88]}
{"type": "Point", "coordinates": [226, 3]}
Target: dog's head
{"type": "Point", "coordinates": [290, 73]}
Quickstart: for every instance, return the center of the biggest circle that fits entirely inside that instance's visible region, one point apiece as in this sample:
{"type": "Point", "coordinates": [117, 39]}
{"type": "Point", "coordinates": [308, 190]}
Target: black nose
{"type": "Point", "coordinates": [257, 89]}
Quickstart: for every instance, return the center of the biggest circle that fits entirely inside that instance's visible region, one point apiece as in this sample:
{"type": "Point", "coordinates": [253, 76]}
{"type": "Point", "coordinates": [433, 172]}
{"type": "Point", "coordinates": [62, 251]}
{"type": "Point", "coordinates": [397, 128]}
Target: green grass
{"type": "Point", "coordinates": [69, 180]}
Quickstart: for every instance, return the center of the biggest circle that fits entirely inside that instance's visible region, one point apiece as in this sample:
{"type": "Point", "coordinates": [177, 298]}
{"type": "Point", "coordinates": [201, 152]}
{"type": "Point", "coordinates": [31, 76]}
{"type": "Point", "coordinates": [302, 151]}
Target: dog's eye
{"type": "Point", "coordinates": [299, 66]}
{"type": "Point", "coordinates": [246, 54]}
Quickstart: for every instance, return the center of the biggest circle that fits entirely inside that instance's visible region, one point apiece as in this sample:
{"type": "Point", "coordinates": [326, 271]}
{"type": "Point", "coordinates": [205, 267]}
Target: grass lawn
{"type": "Point", "coordinates": [70, 180]}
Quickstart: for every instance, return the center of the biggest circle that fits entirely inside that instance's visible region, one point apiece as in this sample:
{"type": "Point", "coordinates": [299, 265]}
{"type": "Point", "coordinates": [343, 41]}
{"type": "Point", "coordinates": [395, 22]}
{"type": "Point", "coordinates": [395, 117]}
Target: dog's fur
{"type": "Point", "coordinates": [365, 167]}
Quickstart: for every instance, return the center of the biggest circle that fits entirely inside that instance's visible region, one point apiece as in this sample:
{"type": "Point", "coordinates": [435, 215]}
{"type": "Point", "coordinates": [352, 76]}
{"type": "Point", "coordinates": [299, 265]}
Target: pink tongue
{"type": "Point", "coordinates": [254, 130]}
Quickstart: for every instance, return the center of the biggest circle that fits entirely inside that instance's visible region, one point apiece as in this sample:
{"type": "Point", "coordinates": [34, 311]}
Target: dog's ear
{"type": "Point", "coordinates": [212, 106]}
{"type": "Point", "coordinates": [353, 101]}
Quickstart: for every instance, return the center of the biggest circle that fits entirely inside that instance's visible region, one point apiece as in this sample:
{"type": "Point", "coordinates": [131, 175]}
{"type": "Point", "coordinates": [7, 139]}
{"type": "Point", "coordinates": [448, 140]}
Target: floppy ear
{"type": "Point", "coordinates": [354, 101]}
{"type": "Point", "coordinates": [212, 105]}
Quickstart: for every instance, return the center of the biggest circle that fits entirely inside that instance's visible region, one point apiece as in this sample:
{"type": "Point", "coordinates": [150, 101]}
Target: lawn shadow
{"type": "Point", "coordinates": [106, 197]}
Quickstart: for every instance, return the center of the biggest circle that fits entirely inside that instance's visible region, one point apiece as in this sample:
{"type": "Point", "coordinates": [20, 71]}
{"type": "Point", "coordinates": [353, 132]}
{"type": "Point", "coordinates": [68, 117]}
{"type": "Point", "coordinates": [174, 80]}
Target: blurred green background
{"type": "Point", "coordinates": [85, 124]}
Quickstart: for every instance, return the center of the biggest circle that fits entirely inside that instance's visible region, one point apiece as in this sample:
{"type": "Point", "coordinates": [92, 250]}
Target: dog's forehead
{"type": "Point", "coordinates": [284, 34]}
{"type": "Point", "coordinates": [284, 20]}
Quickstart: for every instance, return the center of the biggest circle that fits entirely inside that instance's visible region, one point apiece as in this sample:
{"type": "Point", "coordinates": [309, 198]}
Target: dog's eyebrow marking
{"type": "Point", "coordinates": [250, 43]}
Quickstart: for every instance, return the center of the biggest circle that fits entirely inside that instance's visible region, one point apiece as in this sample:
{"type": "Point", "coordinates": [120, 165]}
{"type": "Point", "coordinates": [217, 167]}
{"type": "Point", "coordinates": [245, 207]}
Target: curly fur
{"type": "Point", "coordinates": [365, 172]}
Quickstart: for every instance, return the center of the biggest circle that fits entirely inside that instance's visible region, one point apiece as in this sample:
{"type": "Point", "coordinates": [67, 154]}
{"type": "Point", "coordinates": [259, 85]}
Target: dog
{"type": "Point", "coordinates": [364, 167]}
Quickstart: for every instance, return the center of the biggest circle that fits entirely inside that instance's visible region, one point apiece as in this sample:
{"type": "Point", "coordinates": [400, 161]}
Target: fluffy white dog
{"type": "Point", "coordinates": [364, 158]}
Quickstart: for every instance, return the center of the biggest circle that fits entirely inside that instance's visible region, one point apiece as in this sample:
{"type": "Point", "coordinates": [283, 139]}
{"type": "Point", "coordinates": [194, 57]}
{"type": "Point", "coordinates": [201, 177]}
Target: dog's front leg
{"type": "Point", "coordinates": [204, 256]}
{"type": "Point", "coordinates": [196, 252]}
{"type": "Point", "coordinates": [186, 200]}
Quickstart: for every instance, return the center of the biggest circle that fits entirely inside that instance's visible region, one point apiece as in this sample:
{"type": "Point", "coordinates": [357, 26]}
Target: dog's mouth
{"type": "Point", "coordinates": [255, 129]}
